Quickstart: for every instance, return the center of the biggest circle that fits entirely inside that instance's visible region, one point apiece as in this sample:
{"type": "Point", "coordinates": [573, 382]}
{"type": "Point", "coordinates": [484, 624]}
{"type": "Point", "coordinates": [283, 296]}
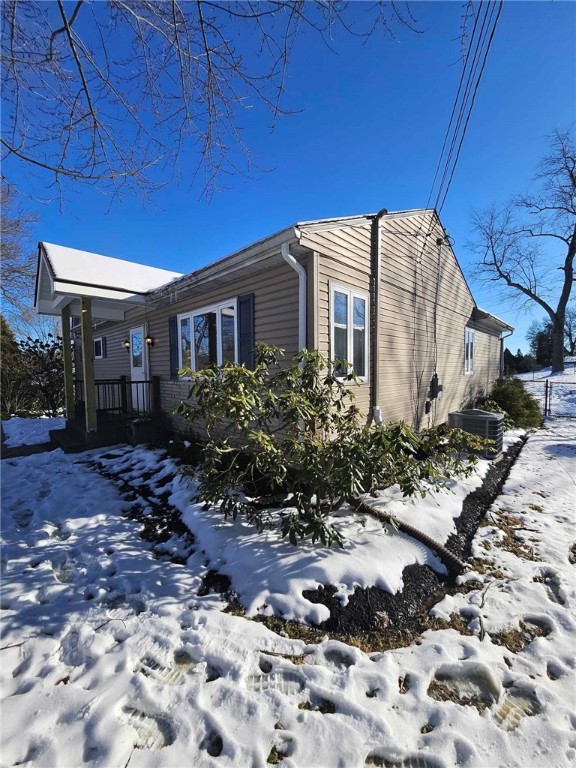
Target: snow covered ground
{"type": "Point", "coordinates": [110, 657]}
{"type": "Point", "coordinates": [562, 390]}
{"type": "Point", "coordinates": [20, 431]}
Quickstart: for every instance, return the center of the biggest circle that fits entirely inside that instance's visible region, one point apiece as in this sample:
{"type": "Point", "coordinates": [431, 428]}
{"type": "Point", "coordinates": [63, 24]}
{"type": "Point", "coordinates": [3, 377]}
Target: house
{"type": "Point", "coordinates": [383, 291]}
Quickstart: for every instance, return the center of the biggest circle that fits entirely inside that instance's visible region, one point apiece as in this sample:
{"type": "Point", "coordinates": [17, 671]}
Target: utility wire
{"type": "Point", "coordinates": [478, 44]}
{"type": "Point", "coordinates": [453, 108]}
{"type": "Point", "coordinates": [487, 51]}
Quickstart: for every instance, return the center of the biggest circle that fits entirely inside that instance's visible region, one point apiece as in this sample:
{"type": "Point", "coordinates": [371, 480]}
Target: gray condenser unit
{"type": "Point", "coordinates": [481, 423]}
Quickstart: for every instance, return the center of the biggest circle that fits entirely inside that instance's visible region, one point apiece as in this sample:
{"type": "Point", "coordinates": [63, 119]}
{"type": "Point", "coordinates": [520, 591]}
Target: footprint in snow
{"type": "Point", "coordinates": [74, 646]}
{"type": "Point", "coordinates": [515, 705]}
{"type": "Point", "coordinates": [283, 680]}
{"type": "Point", "coordinates": [212, 743]}
{"type": "Point", "coordinates": [554, 670]}
{"type": "Point", "coordinates": [338, 660]}
{"type": "Point", "coordinates": [152, 731]}
{"type": "Point", "coordinates": [66, 573]}
{"type": "Point", "coordinates": [410, 761]}
{"type": "Point", "coordinates": [60, 532]}
{"type": "Point", "coordinates": [22, 517]}
{"type": "Point", "coordinates": [551, 581]}
{"type": "Point", "coordinates": [282, 747]}
{"type": "Point", "coordinates": [183, 665]}
{"type": "Point", "coordinates": [465, 684]}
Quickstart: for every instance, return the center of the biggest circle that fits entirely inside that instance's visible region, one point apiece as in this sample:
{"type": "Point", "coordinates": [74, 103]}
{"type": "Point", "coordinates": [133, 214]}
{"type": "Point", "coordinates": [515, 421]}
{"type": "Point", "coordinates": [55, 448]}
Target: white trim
{"type": "Point", "coordinates": [145, 361]}
{"type": "Point", "coordinates": [216, 308]}
{"type": "Point", "coordinates": [351, 293]}
{"type": "Point", "coordinates": [469, 338]}
{"type": "Point", "coordinates": [101, 340]}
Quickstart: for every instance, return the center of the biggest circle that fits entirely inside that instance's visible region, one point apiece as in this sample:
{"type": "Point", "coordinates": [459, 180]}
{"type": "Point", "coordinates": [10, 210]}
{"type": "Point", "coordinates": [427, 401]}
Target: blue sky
{"type": "Point", "coordinates": [367, 134]}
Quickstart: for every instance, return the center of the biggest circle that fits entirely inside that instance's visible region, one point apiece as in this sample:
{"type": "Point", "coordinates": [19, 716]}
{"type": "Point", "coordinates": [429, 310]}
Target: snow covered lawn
{"type": "Point", "coordinates": [20, 431]}
{"type": "Point", "coordinates": [110, 657]}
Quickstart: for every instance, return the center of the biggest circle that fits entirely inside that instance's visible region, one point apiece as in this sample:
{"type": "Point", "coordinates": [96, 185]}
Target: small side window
{"type": "Point", "coordinates": [99, 348]}
{"type": "Point", "coordinates": [468, 352]}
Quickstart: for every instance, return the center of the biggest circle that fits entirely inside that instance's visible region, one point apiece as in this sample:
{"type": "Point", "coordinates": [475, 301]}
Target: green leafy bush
{"type": "Point", "coordinates": [32, 375]}
{"type": "Point", "coordinates": [487, 404]}
{"type": "Point", "coordinates": [290, 436]}
{"type": "Point", "coordinates": [511, 398]}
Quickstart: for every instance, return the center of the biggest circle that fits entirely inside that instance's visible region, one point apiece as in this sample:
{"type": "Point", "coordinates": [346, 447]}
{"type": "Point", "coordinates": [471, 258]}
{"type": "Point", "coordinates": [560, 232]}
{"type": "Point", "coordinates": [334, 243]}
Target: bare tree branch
{"type": "Point", "coordinates": [512, 252]}
{"type": "Point", "coordinates": [116, 94]}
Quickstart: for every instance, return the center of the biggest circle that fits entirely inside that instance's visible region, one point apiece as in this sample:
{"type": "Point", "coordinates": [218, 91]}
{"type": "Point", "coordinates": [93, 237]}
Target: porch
{"type": "Point", "coordinates": [124, 410]}
{"type": "Point", "coordinates": [91, 288]}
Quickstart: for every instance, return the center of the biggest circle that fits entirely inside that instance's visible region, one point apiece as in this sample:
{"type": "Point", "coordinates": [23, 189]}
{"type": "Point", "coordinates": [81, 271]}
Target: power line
{"type": "Point", "coordinates": [487, 51]}
{"type": "Point", "coordinates": [484, 29]}
{"type": "Point", "coordinates": [478, 44]}
{"type": "Point", "coordinates": [453, 108]}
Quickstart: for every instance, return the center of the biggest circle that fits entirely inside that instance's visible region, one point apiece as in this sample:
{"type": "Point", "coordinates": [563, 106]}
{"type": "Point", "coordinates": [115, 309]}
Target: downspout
{"type": "Point", "coordinates": [291, 261]}
{"type": "Point", "coordinates": [375, 413]}
{"type": "Point", "coordinates": [502, 353]}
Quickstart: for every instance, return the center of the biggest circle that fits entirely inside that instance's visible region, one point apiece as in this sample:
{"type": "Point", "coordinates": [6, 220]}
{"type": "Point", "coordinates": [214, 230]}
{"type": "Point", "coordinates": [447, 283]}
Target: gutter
{"type": "Point", "coordinates": [502, 352]}
{"type": "Point", "coordinates": [302, 309]}
{"type": "Point", "coordinates": [375, 413]}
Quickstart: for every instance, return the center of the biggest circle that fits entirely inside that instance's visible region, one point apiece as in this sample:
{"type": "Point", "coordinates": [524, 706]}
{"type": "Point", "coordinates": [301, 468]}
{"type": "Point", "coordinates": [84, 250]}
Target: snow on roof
{"type": "Point", "coordinates": [347, 219]}
{"type": "Point", "coordinates": [489, 316]}
{"type": "Point", "coordinates": [82, 267]}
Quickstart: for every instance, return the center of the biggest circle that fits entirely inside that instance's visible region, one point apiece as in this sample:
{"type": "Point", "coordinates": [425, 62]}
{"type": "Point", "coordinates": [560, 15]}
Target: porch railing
{"type": "Point", "coordinates": [121, 399]}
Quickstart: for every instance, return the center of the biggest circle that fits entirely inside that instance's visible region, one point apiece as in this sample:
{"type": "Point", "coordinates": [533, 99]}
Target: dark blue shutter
{"type": "Point", "coordinates": [173, 341]}
{"type": "Point", "coordinates": [246, 339]}
{"type": "Point", "coordinates": [104, 350]}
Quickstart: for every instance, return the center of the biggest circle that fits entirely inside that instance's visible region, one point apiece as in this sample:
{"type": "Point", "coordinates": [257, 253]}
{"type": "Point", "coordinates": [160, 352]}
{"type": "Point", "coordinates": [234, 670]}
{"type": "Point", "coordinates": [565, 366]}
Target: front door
{"type": "Point", "coordinates": [138, 370]}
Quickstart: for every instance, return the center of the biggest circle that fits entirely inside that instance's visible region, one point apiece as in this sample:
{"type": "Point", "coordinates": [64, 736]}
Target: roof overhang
{"type": "Point", "coordinates": [245, 262]}
{"type": "Point", "coordinates": [54, 291]}
{"type": "Point", "coordinates": [491, 322]}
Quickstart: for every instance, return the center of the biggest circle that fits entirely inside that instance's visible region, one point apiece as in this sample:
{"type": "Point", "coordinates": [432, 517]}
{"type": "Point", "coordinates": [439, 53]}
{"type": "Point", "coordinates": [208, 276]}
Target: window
{"type": "Point", "coordinates": [208, 336]}
{"type": "Point", "coordinates": [136, 347]}
{"type": "Point", "coordinates": [468, 352]}
{"type": "Point", "coordinates": [99, 346]}
{"type": "Point", "coordinates": [349, 315]}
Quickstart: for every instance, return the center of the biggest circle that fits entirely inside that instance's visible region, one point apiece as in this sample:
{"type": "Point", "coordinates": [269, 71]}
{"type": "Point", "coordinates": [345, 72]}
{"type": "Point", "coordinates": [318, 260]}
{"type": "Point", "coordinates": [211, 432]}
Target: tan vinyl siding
{"type": "Point", "coordinates": [275, 288]}
{"type": "Point", "coordinates": [425, 306]}
{"type": "Point", "coordinates": [344, 259]}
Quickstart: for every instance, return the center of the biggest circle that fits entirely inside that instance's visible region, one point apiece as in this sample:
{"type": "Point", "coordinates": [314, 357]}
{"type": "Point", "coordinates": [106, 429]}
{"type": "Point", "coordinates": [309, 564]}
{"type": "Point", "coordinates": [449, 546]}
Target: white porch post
{"type": "Point", "coordinates": [88, 363]}
{"type": "Point", "coordinates": [67, 358]}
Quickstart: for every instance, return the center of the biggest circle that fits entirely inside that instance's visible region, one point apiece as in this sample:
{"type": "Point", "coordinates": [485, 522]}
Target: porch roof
{"type": "Point", "coordinates": [114, 285]}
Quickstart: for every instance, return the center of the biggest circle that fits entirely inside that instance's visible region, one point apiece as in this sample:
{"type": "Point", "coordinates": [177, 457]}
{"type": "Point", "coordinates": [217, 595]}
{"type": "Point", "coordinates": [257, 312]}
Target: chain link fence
{"type": "Point", "coordinates": [556, 398]}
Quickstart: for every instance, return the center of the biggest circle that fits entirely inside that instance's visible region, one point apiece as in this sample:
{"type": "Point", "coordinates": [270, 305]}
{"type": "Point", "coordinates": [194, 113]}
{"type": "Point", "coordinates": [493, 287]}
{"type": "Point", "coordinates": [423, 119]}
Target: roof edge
{"type": "Point", "coordinates": [234, 259]}
{"type": "Point", "coordinates": [482, 314]}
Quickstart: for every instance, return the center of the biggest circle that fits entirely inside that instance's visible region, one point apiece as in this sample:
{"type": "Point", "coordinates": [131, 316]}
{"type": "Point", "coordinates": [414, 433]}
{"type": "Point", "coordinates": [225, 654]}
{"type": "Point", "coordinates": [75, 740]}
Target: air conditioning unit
{"type": "Point", "coordinates": [482, 423]}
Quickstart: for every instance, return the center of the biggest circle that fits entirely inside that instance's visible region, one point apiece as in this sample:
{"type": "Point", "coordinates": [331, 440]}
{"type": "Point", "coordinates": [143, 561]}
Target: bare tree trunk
{"type": "Point", "coordinates": [558, 345]}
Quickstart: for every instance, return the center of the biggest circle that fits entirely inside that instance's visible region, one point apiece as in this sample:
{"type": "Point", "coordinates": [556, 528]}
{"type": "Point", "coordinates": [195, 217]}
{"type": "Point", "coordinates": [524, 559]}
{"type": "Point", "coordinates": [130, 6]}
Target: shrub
{"type": "Point", "coordinates": [43, 368]}
{"type": "Point", "coordinates": [32, 374]}
{"type": "Point", "coordinates": [519, 405]}
{"type": "Point", "coordinates": [293, 435]}
{"type": "Point", "coordinates": [487, 404]}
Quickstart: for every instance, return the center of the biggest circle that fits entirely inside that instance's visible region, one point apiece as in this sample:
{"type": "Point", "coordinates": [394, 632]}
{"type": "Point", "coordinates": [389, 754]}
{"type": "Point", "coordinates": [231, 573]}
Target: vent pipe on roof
{"type": "Point", "coordinates": [291, 261]}
{"type": "Point", "coordinates": [375, 270]}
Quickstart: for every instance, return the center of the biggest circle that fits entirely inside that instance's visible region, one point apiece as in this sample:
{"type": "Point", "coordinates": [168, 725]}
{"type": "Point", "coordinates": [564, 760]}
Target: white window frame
{"type": "Point", "coordinates": [469, 343]}
{"type": "Point", "coordinates": [101, 340]}
{"type": "Point", "coordinates": [352, 294]}
{"type": "Point", "coordinates": [190, 315]}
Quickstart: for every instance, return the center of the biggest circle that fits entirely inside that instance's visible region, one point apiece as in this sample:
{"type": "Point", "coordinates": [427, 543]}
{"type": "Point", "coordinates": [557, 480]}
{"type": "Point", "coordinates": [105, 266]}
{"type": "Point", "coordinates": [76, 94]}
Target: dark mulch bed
{"type": "Point", "coordinates": [374, 610]}
{"type": "Point", "coordinates": [372, 618]}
